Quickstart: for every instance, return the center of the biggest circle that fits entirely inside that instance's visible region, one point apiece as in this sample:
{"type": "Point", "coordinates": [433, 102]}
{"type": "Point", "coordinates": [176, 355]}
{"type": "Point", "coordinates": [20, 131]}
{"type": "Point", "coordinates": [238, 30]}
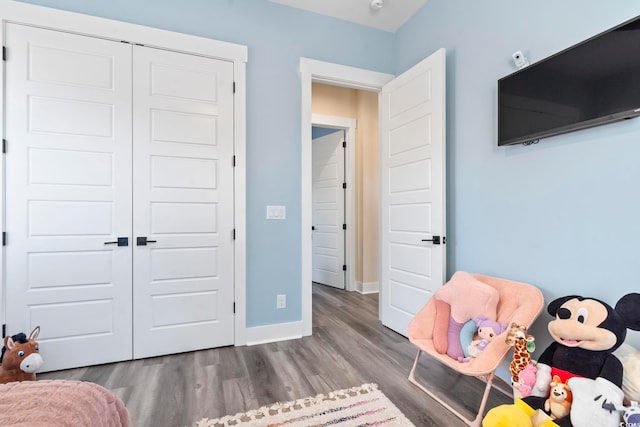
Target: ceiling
{"type": "Point", "coordinates": [393, 14]}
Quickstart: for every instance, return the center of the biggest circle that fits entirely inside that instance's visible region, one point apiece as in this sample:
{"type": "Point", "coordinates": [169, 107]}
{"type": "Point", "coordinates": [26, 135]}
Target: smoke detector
{"type": "Point", "coordinates": [376, 4]}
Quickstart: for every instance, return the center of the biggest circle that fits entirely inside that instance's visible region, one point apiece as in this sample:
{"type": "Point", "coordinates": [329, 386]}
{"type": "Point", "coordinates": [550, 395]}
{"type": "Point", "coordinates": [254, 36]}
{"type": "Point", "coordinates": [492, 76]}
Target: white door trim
{"type": "Point", "coordinates": [27, 14]}
{"type": "Point", "coordinates": [341, 75]}
{"type": "Point", "coordinates": [349, 126]}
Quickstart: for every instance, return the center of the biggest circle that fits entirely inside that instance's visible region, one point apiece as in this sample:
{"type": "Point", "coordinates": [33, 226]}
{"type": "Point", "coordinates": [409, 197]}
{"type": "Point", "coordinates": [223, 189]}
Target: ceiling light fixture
{"type": "Point", "coordinates": [376, 4]}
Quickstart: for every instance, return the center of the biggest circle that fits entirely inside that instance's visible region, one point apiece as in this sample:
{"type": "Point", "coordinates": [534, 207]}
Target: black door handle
{"type": "Point", "coordinates": [142, 241]}
{"type": "Point", "coordinates": [122, 241]}
{"type": "Point", "coordinates": [313, 227]}
{"type": "Point", "coordinates": [435, 240]}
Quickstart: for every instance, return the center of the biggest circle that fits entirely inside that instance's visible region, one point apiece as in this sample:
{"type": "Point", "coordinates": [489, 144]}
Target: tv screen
{"type": "Point", "coordinates": [592, 83]}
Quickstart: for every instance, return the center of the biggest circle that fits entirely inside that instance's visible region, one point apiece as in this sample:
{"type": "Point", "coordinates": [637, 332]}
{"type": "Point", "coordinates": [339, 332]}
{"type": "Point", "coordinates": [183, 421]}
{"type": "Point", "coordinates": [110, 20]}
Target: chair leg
{"type": "Point", "coordinates": [477, 422]}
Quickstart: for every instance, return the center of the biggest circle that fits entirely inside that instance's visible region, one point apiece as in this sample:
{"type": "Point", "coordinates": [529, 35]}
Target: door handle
{"type": "Point", "coordinates": [313, 227]}
{"type": "Point", "coordinates": [122, 241]}
{"type": "Point", "coordinates": [142, 241]}
{"type": "Point", "coordinates": [435, 240]}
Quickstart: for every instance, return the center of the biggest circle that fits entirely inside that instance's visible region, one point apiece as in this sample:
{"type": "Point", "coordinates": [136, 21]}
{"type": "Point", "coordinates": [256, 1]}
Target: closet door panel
{"type": "Point", "coordinates": [183, 202]}
{"type": "Point", "coordinates": [68, 191]}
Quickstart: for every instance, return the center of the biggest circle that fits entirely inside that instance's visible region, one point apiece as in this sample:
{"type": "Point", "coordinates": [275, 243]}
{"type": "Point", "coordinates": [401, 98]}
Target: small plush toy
{"type": "Point", "coordinates": [20, 357]}
{"type": "Point", "coordinates": [559, 400]}
{"type": "Point", "coordinates": [487, 330]}
{"type": "Point", "coordinates": [526, 380]}
{"type": "Point", "coordinates": [523, 345]}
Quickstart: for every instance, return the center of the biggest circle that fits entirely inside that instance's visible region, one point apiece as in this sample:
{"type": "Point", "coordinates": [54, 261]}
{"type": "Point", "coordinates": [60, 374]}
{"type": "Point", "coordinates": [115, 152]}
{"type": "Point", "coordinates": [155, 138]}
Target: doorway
{"type": "Point", "coordinates": [313, 71]}
{"type": "Point", "coordinates": [417, 135]}
{"type": "Point", "coordinates": [356, 112]}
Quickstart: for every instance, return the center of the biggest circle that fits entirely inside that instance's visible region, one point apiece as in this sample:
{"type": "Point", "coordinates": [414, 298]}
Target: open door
{"type": "Point", "coordinates": [412, 162]}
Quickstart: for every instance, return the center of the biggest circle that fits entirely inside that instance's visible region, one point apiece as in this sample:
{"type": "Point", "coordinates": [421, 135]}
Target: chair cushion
{"type": "Point", "coordinates": [468, 297]}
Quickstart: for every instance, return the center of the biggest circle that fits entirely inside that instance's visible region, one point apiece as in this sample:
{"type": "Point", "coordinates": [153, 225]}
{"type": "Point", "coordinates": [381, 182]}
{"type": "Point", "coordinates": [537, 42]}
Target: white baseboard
{"type": "Point", "coordinates": [368, 288]}
{"type": "Point", "coordinates": [272, 333]}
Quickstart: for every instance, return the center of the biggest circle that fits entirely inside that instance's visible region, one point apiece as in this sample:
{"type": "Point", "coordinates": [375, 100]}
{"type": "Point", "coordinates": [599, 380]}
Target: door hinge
{"type": "Point", "coordinates": [4, 53]}
{"type": "Point", "coordinates": [234, 308]}
{"type": "Point", "coordinates": [4, 238]}
{"type": "Point", "coordinates": [4, 329]}
{"type": "Point", "coordinates": [344, 226]}
{"type": "Point", "coordinates": [4, 146]}
{"type": "Point", "coordinates": [233, 161]}
{"type": "Point", "coordinates": [344, 144]}
{"type": "Point", "coordinates": [234, 234]}
{"type": "Point", "coordinates": [234, 87]}
{"type": "Point", "coordinates": [344, 185]}
{"type": "Point", "coordinates": [344, 267]}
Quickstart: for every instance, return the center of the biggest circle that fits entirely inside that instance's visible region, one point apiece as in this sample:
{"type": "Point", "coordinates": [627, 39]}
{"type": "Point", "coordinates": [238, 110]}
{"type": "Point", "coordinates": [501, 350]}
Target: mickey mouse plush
{"type": "Point", "coordinates": [586, 331]}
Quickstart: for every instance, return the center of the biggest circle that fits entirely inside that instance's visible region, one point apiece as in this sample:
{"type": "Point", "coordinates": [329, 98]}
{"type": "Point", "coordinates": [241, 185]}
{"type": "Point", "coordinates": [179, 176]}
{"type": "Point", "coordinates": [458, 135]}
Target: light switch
{"type": "Point", "coordinates": [276, 212]}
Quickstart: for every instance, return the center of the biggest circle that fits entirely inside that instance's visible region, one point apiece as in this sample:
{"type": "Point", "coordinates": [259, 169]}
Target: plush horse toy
{"type": "Point", "coordinates": [20, 357]}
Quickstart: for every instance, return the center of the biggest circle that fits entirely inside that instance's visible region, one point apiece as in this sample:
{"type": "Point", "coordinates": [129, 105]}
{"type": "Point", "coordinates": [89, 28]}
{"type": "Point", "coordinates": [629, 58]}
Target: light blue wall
{"type": "Point", "coordinates": [563, 214]}
{"type": "Point", "coordinates": [277, 37]}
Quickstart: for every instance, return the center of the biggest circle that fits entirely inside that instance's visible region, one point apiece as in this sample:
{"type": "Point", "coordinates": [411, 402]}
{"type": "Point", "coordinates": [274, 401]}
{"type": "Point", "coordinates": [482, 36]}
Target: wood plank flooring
{"type": "Point", "coordinates": [349, 347]}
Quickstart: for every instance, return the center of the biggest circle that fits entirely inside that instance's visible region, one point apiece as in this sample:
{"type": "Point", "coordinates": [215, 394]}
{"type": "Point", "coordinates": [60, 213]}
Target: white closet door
{"type": "Point", "coordinates": [183, 203]}
{"type": "Point", "coordinates": [328, 210]}
{"type": "Point", "coordinates": [68, 193]}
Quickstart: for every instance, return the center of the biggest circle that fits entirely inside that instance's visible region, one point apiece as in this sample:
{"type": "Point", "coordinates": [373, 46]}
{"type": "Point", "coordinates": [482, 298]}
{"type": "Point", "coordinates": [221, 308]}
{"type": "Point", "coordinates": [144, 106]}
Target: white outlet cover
{"type": "Point", "coordinates": [276, 212]}
{"type": "Point", "coordinates": [281, 301]}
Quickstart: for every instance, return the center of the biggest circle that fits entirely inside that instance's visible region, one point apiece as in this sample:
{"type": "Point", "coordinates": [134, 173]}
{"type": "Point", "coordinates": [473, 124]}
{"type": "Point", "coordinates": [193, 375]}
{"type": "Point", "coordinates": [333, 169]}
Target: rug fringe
{"type": "Point", "coordinates": [278, 408]}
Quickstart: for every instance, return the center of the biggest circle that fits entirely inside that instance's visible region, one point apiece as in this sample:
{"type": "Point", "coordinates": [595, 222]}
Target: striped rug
{"type": "Point", "coordinates": [362, 406]}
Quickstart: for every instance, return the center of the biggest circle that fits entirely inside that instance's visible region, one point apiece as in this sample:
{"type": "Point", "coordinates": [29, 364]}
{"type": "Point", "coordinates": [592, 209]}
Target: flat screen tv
{"type": "Point", "coordinates": [589, 84]}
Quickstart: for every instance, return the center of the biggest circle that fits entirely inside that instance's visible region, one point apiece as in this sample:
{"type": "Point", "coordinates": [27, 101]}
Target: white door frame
{"type": "Point", "coordinates": [54, 19]}
{"type": "Point", "coordinates": [338, 75]}
{"type": "Point", "coordinates": [349, 126]}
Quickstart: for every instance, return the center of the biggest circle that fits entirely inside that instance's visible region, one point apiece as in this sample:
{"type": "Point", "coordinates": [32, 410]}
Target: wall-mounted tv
{"type": "Point", "coordinates": [589, 84]}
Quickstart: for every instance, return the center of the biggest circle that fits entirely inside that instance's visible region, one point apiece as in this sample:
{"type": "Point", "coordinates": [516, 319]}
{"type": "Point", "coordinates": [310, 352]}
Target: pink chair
{"type": "Point", "coordinates": [517, 302]}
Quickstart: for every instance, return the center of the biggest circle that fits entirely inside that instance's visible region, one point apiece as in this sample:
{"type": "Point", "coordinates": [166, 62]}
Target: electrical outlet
{"type": "Point", "coordinates": [281, 301]}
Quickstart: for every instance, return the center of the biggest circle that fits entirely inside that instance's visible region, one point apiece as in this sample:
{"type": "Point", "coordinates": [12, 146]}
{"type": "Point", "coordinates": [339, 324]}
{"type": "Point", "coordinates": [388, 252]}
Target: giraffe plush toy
{"type": "Point", "coordinates": [523, 346]}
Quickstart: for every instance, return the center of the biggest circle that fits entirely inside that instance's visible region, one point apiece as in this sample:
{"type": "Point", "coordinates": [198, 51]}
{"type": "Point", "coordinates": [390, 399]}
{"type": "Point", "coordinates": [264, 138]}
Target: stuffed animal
{"type": "Point", "coordinates": [559, 401]}
{"type": "Point", "coordinates": [590, 398]}
{"type": "Point", "coordinates": [487, 331]}
{"type": "Point", "coordinates": [526, 380]}
{"type": "Point", "coordinates": [523, 345]}
{"type": "Point", "coordinates": [20, 357]}
{"type": "Point", "coordinates": [586, 332]}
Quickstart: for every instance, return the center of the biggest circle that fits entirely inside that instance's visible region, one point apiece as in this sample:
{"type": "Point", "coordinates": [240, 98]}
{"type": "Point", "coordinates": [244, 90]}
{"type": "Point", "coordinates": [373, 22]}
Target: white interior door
{"type": "Point", "coordinates": [68, 194]}
{"type": "Point", "coordinates": [328, 200]}
{"type": "Point", "coordinates": [412, 163]}
{"type": "Point", "coordinates": [183, 204]}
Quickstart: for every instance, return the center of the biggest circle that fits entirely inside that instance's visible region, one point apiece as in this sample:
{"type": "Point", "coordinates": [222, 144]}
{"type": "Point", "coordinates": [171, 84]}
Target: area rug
{"type": "Point", "coordinates": [354, 407]}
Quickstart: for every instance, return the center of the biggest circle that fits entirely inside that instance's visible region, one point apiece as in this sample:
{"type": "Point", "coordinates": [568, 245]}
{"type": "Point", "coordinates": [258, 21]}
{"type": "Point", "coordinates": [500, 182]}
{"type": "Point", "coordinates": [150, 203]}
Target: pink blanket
{"type": "Point", "coordinates": [60, 403]}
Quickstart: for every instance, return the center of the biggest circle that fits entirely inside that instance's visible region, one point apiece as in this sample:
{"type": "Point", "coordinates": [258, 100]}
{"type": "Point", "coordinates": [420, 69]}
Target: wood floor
{"type": "Point", "coordinates": [349, 347]}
